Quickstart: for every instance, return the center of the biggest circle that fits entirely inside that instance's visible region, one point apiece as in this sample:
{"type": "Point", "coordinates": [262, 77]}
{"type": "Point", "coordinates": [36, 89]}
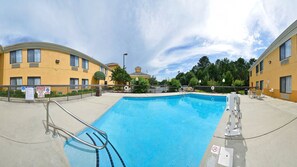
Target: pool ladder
{"type": "Point", "coordinates": [56, 128]}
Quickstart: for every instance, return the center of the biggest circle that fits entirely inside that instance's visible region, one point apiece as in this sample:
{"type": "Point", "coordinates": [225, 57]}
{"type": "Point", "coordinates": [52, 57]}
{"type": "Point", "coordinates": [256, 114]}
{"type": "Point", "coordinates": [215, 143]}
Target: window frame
{"type": "Point", "coordinates": [15, 86]}
{"type": "Point", "coordinates": [287, 90]}
{"type": "Point", "coordinates": [34, 81]}
{"type": "Point", "coordinates": [15, 56]}
{"type": "Point", "coordinates": [283, 50]}
{"type": "Point", "coordinates": [261, 84]}
{"type": "Point", "coordinates": [34, 55]}
{"type": "Point", "coordinates": [74, 86]}
{"type": "Point", "coordinates": [83, 64]}
{"type": "Point", "coordinates": [257, 68]}
{"type": "Point", "coordinates": [84, 86]}
{"type": "Point", "coordinates": [75, 58]}
{"type": "Point", "coordinates": [261, 66]}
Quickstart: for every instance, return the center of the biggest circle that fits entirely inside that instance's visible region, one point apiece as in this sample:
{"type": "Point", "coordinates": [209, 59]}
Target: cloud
{"type": "Point", "coordinates": [161, 36]}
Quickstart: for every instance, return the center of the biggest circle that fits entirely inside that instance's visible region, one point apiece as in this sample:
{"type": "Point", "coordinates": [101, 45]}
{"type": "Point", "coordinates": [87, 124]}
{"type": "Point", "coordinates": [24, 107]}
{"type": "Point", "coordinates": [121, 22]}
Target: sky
{"type": "Point", "coordinates": [163, 36]}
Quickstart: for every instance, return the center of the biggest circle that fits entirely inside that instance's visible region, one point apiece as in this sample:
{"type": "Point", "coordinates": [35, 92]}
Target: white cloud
{"type": "Point", "coordinates": [147, 30]}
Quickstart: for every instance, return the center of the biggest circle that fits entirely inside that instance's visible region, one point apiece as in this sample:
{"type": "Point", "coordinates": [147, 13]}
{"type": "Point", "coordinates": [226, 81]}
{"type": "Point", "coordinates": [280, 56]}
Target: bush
{"type": "Point", "coordinates": [174, 85]}
{"type": "Point", "coordinates": [140, 86]}
{"type": "Point", "coordinates": [212, 83]}
{"type": "Point", "coordinates": [193, 82]}
{"type": "Point", "coordinates": [17, 93]}
{"type": "Point", "coordinates": [238, 83]}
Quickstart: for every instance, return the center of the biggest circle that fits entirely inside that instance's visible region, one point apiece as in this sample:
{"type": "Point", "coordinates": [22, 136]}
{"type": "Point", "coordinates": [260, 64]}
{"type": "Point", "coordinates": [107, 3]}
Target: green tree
{"type": "Point", "coordinates": [188, 76]}
{"type": "Point", "coordinates": [174, 85]}
{"type": "Point", "coordinates": [140, 86]}
{"type": "Point", "coordinates": [99, 75]}
{"type": "Point", "coordinates": [193, 82]}
{"type": "Point", "coordinates": [181, 77]}
{"type": "Point", "coordinates": [213, 72]}
{"type": "Point", "coordinates": [164, 82]}
{"type": "Point", "coordinates": [252, 61]}
{"type": "Point", "coordinates": [120, 76]}
{"type": "Point", "coordinates": [228, 78]}
{"type": "Point", "coordinates": [153, 81]}
{"type": "Point", "coordinates": [203, 62]}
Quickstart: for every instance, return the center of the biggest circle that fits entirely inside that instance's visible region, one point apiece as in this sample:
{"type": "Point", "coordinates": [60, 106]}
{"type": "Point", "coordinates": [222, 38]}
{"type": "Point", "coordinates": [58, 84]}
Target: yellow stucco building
{"type": "Point", "coordinates": [40, 63]}
{"type": "Point", "coordinates": [275, 72]}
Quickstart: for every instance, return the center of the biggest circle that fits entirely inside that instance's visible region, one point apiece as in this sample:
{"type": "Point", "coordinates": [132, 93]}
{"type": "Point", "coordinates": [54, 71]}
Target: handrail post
{"type": "Point", "coordinates": [81, 91]}
{"type": "Point", "coordinates": [47, 118]}
{"type": "Point", "coordinates": [67, 93]}
{"type": "Point", "coordinates": [8, 93]}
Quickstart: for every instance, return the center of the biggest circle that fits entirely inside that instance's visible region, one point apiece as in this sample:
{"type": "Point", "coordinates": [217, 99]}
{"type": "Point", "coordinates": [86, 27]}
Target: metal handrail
{"type": "Point", "coordinates": [69, 133]}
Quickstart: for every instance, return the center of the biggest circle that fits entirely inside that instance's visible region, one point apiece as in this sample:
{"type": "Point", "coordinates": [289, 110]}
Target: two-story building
{"type": "Point", "coordinates": [275, 72]}
{"type": "Point", "coordinates": [40, 63]}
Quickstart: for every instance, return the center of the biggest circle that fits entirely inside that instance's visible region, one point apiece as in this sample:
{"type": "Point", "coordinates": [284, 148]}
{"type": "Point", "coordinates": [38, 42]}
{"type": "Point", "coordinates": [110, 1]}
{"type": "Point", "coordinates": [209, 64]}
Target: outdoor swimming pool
{"type": "Point", "coordinates": [151, 131]}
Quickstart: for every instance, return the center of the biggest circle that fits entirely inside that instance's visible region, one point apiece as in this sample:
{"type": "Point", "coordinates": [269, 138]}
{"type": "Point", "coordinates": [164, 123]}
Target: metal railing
{"type": "Point", "coordinates": [72, 92]}
{"type": "Point", "coordinates": [55, 133]}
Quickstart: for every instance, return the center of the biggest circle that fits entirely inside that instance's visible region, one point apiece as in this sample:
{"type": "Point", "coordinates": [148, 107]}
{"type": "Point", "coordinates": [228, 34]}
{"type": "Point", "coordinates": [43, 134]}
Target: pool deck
{"type": "Point", "coordinates": [269, 131]}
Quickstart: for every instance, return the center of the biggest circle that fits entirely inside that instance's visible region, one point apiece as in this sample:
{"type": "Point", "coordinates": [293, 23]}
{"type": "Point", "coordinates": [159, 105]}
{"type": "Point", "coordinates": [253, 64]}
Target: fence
{"type": "Point", "coordinates": [70, 92]}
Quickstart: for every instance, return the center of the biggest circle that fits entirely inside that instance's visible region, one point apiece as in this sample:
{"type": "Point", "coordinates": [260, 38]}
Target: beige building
{"type": "Point", "coordinates": [138, 73]}
{"type": "Point", "coordinates": [275, 72]}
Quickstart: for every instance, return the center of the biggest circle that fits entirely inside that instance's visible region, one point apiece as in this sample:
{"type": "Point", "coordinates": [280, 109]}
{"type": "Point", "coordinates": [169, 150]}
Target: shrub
{"type": "Point", "coordinates": [212, 83]}
{"type": "Point", "coordinates": [238, 83]}
{"type": "Point", "coordinates": [174, 85]}
{"type": "Point", "coordinates": [193, 82]}
{"type": "Point", "coordinates": [140, 86]}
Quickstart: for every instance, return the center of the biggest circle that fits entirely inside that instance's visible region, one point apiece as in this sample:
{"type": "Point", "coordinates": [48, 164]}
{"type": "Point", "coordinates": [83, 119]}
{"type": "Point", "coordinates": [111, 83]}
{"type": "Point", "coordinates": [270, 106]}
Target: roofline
{"type": "Point", "coordinates": [51, 46]}
{"type": "Point", "coordinates": [283, 37]}
{"type": "Point", "coordinates": [110, 64]}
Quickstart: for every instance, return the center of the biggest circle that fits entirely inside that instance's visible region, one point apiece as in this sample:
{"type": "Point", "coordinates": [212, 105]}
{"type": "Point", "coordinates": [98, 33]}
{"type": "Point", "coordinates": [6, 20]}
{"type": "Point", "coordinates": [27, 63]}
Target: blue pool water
{"type": "Point", "coordinates": [155, 131]}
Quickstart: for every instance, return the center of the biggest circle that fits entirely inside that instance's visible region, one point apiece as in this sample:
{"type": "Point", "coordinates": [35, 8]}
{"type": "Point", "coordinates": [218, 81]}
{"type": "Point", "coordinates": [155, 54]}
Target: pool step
{"type": "Point", "coordinates": [97, 152]}
{"type": "Point", "coordinates": [108, 155]}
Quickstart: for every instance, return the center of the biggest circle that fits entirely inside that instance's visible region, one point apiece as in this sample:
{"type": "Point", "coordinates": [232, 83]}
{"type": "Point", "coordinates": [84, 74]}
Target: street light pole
{"type": "Point", "coordinates": [125, 54]}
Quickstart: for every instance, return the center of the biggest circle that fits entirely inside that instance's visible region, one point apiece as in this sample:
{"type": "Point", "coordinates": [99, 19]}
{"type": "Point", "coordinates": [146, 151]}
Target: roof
{"type": "Point", "coordinates": [139, 74]}
{"type": "Point", "coordinates": [112, 64]}
{"type": "Point", "coordinates": [51, 46]}
{"type": "Point", "coordinates": [1, 49]}
{"type": "Point", "coordinates": [283, 37]}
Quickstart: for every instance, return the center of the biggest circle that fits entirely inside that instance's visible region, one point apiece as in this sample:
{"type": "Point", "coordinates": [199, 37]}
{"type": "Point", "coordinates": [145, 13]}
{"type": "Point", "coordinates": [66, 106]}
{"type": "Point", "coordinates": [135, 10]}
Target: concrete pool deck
{"type": "Point", "coordinates": [268, 135]}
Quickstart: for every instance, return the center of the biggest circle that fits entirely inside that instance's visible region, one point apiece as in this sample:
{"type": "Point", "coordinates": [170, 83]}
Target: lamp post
{"type": "Point", "coordinates": [125, 54]}
{"type": "Point", "coordinates": [199, 81]}
{"type": "Point", "coordinates": [223, 81]}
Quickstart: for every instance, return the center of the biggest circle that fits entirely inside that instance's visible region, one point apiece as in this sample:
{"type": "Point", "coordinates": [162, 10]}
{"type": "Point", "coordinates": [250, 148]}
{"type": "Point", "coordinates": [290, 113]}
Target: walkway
{"type": "Point", "coordinates": [268, 136]}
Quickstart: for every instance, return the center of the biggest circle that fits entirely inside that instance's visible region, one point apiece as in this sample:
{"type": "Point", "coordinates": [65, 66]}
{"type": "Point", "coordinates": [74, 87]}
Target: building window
{"type": "Point", "coordinates": [33, 81]}
{"type": "Point", "coordinates": [16, 81]}
{"type": "Point", "coordinates": [257, 69]}
{"type": "Point", "coordinates": [286, 84]}
{"type": "Point", "coordinates": [285, 50]}
{"type": "Point", "coordinates": [102, 69]}
{"type": "Point", "coordinates": [257, 84]}
{"type": "Point", "coordinates": [73, 60]}
{"type": "Point", "coordinates": [251, 73]}
{"type": "Point", "coordinates": [85, 83]}
{"type": "Point", "coordinates": [33, 55]}
{"type": "Point", "coordinates": [16, 56]}
{"type": "Point", "coordinates": [261, 66]}
{"type": "Point", "coordinates": [85, 64]}
{"type": "Point", "coordinates": [73, 83]}
{"type": "Point", "coordinates": [261, 85]}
